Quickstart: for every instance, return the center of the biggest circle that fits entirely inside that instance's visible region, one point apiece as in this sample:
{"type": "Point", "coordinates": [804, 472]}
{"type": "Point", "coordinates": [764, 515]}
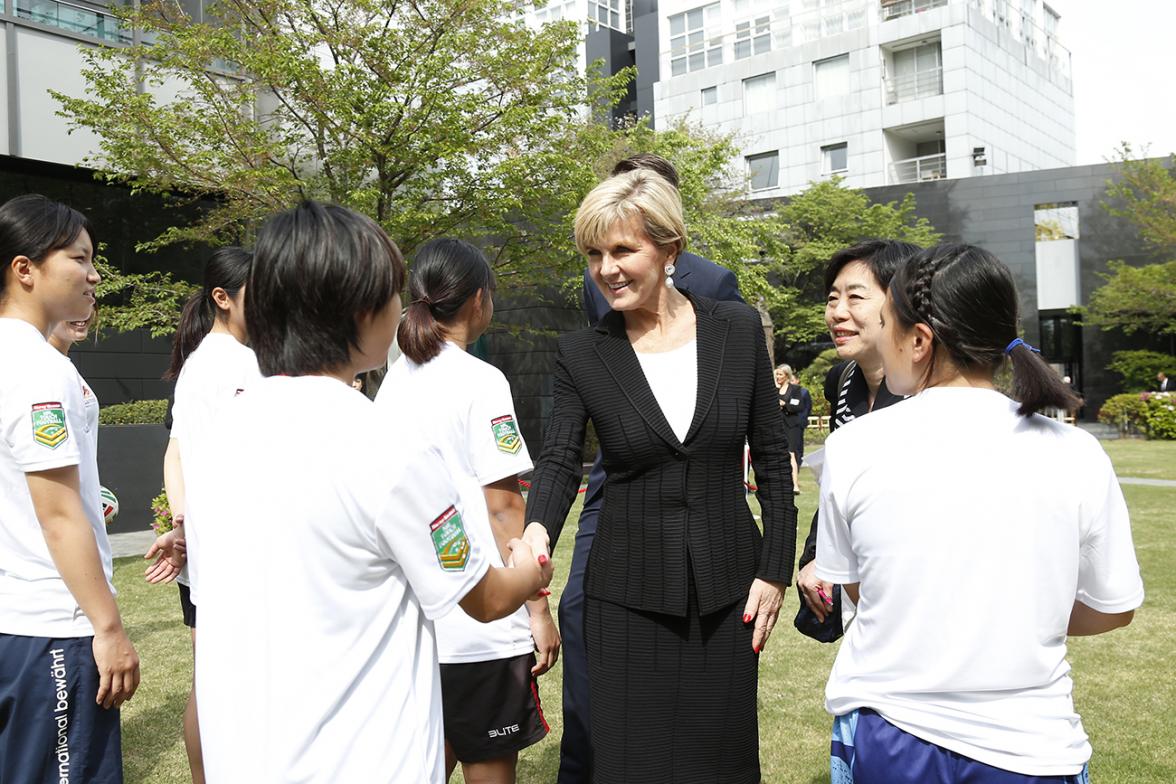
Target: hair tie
{"type": "Point", "coordinates": [1018, 342]}
{"type": "Point", "coordinates": [422, 301]}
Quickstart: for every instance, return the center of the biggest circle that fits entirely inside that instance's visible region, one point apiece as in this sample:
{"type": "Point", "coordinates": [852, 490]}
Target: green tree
{"type": "Point", "coordinates": [1141, 299]}
{"type": "Point", "coordinates": [1135, 299]}
{"type": "Point", "coordinates": [434, 117]}
{"type": "Point", "coordinates": [823, 219]}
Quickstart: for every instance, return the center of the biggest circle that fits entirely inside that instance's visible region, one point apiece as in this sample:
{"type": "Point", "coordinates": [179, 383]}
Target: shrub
{"type": "Point", "coordinates": [1139, 368]}
{"type": "Point", "coordinates": [161, 519]}
{"type": "Point", "coordinates": [1125, 412]}
{"type": "Point", "coordinates": [1160, 416]}
{"type": "Point", "coordinates": [138, 412]}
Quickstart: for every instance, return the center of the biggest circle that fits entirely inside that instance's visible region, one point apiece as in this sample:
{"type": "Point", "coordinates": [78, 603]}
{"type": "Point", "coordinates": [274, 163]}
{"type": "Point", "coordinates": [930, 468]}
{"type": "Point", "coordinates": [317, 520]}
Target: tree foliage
{"type": "Point", "coordinates": [433, 117]}
{"type": "Point", "coordinates": [1135, 299]}
{"type": "Point", "coordinates": [1145, 194]}
{"type": "Point", "coordinates": [1141, 299]}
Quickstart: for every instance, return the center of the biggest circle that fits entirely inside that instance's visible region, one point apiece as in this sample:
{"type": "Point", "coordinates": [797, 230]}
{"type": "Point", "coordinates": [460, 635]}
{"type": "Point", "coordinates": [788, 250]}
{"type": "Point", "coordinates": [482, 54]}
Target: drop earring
{"type": "Point", "coordinates": [670, 269]}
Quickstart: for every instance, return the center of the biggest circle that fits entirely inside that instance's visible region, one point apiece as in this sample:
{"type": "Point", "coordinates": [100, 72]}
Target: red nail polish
{"type": "Point", "coordinates": [543, 559]}
{"type": "Point", "coordinates": [756, 651]}
{"type": "Point", "coordinates": [747, 617]}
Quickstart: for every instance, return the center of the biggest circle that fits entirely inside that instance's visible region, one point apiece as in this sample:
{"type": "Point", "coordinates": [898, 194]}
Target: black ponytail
{"type": "Point", "coordinates": [228, 269]}
{"type": "Point", "coordinates": [968, 299]}
{"type": "Point", "coordinates": [445, 274]}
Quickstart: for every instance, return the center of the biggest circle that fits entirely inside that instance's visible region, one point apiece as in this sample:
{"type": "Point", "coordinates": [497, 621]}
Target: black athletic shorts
{"type": "Point", "coordinates": [491, 708]}
{"type": "Point", "coordinates": [187, 606]}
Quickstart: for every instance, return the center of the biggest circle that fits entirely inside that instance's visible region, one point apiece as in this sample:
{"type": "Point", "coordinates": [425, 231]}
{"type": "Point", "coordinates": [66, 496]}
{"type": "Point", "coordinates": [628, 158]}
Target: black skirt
{"type": "Point", "coordinates": [671, 699]}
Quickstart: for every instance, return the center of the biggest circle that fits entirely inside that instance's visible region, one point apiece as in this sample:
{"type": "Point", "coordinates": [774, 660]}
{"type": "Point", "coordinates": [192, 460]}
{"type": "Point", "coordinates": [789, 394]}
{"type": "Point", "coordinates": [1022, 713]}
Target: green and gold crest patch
{"type": "Point", "coordinates": [49, 425]}
{"type": "Point", "coordinates": [450, 540]}
{"type": "Point", "coordinates": [506, 434]}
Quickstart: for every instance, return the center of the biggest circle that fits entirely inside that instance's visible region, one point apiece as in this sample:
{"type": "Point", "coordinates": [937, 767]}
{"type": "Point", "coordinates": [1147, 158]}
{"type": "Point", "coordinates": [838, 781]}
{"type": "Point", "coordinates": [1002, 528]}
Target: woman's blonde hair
{"type": "Point", "coordinates": [636, 193]}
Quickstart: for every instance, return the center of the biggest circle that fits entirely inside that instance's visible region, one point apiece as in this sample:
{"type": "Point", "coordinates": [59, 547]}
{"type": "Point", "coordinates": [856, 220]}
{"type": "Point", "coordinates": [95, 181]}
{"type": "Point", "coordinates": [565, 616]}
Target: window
{"type": "Point", "coordinates": [831, 76]}
{"type": "Point", "coordinates": [710, 96]}
{"type": "Point", "coordinates": [763, 170]}
{"type": "Point", "coordinates": [918, 72]}
{"type": "Point", "coordinates": [604, 13]}
{"type": "Point", "coordinates": [753, 36]}
{"type": "Point", "coordinates": [695, 40]}
{"type": "Point", "coordinates": [759, 94]}
{"type": "Point", "coordinates": [835, 158]}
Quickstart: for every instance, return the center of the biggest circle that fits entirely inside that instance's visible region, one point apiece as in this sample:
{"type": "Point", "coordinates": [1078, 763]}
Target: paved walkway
{"type": "Point", "coordinates": [1135, 480]}
{"type": "Point", "coordinates": [137, 542]}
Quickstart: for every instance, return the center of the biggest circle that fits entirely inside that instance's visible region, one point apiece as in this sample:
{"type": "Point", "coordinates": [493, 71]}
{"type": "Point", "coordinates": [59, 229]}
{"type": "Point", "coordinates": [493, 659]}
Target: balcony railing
{"type": "Point", "coordinates": [897, 8]}
{"type": "Point", "coordinates": [74, 18]}
{"type": "Point", "coordinates": [919, 84]}
{"type": "Point", "coordinates": [925, 167]}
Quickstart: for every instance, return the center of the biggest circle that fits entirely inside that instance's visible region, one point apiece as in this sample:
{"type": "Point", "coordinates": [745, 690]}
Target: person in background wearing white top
{"type": "Point", "coordinates": [928, 508]}
{"type": "Point", "coordinates": [211, 364]}
{"type": "Point", "coordinates": [316, 659]}
{"type": "Point", "coordinates": [67, 661]}
{"type": "Point", "coordinates": [463, 406]}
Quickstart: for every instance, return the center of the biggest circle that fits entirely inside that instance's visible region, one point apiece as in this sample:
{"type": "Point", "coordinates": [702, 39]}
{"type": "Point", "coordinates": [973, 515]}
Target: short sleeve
{"type": "Point", "coordinates": [421, 528]}
{"type": "Point", "coordinates": [836, 560]}
{"type": "Point", "coordinates": [494, 441]}
{"type": "Point", "coordinates": [1108, 572]}
{"type": "Point", "coordinates": [38, 418]}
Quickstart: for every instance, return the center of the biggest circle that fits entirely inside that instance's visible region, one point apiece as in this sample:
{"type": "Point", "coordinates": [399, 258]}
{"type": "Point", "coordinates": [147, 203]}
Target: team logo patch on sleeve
{"type": "Point", "coordinates": [450, 540]}
{"type": "Point", "coordinates": [506, 434]}
{"type": "Point", "coordinates": [49, 425]}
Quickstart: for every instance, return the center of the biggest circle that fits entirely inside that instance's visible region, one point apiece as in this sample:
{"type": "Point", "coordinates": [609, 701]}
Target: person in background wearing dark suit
{"type": "Point", "coordinates": [795, 404]}
{"type": "Point", "coordinates": [682, 590]}
{"type": "Point", "coordinates": [855, 279]}
{"type": "Point", "coordinates": [691, 273]}
{"type": "Point", "coordinates": [1163, 383]}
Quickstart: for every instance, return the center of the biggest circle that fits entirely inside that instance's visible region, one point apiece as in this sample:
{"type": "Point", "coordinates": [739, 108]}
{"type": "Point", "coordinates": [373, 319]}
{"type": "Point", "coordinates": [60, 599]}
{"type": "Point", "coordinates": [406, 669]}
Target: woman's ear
{"type": "Point", "coordinates": [222, 299]}
{"type": "Point", "coordinates": [922, 343]}
{"type": "Point", "coordinates": [22, 269]}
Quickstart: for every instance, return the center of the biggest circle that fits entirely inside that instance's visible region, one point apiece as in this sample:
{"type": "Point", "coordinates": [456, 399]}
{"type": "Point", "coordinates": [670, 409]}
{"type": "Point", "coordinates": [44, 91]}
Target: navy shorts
{"type": "Point", "coordinates": [51, 729]}
{"type": "Point", "coordinates": [867, 749]}
{"type": "Point", "coordinates": [491, 708]}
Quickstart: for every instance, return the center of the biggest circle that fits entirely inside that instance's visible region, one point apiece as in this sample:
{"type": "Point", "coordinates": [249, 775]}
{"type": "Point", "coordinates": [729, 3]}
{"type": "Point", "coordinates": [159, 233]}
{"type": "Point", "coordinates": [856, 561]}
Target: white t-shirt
{"type": "Point", "coordinates": [673, 378]}
{"type": "Point", "coordinates": [48, 419]}
{"type": "Point", "coordinates": [463, 407]}
{"type": "Point", "coordinates": [217, 371]}
{"type": "Point", "coordinates": [972, 531]}
{"type": "Point", "coordinates": [336, 543]}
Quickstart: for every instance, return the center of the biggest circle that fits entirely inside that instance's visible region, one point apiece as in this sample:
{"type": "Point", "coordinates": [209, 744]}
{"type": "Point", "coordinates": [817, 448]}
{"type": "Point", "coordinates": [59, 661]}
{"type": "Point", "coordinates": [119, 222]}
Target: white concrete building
{"type": "Point", "coordinates": [877, 91]}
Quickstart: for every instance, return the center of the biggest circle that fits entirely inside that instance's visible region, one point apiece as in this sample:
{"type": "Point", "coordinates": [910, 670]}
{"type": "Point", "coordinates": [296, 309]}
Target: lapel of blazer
{"type": "Point", "coordinates": [620, 360]}
{"type": "Point", "coordinates": [711, 336]}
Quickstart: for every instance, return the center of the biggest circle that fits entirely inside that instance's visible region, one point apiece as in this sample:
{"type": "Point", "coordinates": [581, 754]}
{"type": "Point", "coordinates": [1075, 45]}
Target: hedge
{"type": "Point", "coordinates": [138, 412]}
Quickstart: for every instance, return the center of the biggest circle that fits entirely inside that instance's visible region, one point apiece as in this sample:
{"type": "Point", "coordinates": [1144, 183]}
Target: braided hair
{"type": "Point", "coordinates": [966, 296]}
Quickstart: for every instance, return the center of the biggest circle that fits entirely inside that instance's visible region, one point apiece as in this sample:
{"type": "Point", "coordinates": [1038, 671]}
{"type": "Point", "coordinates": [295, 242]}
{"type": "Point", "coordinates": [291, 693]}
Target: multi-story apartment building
{"type": "Point", "coordinates": [880, 92]}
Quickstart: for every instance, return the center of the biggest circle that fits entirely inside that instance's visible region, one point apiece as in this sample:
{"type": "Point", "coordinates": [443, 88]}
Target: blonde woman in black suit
{"type": "Point", "coordinates": [682, 588]}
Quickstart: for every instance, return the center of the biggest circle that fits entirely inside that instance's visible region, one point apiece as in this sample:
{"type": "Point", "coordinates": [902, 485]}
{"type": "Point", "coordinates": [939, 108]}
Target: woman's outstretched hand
{"type": "Point", "coordinates": [762, 609]}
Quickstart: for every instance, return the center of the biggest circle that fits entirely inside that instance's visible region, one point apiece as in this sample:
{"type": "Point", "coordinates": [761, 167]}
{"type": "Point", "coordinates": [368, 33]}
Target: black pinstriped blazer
{"type": "Point", "coordinates": [670, 506]}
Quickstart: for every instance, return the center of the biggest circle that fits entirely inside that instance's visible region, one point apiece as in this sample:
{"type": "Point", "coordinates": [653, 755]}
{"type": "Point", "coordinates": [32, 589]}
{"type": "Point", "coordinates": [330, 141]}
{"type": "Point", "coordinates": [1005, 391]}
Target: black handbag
{"type": "Point", "coordinates": [828, 630]}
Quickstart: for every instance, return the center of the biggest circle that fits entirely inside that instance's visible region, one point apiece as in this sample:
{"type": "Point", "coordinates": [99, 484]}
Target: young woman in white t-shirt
{"type": "Point", "coordinates": [67, 662]}
{"type": "Point", "coordinates": [463, 406]}
{"type": "Point", "coordinates": [211, 364]}
{"type": "Point", "coordinates": [337, 537]}
{"type": "Point", "coordinates": [974, 536]}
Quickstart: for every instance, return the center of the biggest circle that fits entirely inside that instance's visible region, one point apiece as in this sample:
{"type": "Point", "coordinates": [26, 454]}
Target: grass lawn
{"type": "Point", "coordinates": [1119, 677]}
{"type": "Point", "coordinates": [1145, 459]}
